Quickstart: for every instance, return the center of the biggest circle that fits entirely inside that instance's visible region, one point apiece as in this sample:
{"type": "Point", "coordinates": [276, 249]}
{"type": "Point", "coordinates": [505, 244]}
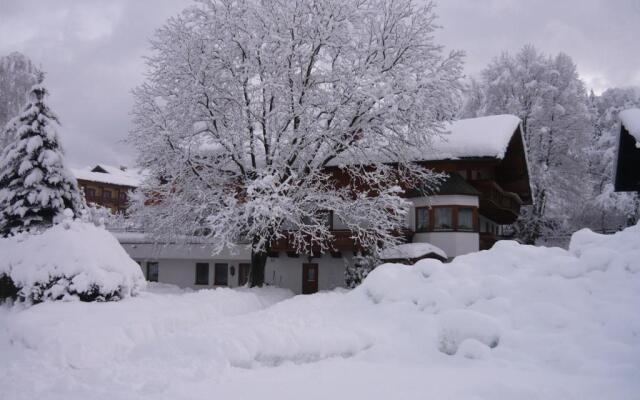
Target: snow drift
{"type": "Point", "coordinates": [73, 259]}
{"type": "Point", "coordinates": [513, 322]}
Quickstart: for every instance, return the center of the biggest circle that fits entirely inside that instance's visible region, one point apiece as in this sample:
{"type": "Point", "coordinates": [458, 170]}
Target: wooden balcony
{"type": "Point", "coordinates": [496, 203]}
{"type": "Point", "coordinates": [342, 241]}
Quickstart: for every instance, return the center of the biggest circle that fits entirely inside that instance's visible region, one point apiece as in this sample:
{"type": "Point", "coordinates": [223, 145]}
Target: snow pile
{"type": "Point", "coordinates": [513, 322]}
{"type": "Point", "coordinates": [548, 303]}
{"type": "Point", "coordinates": [410, 251]}
{"type": "Point", "coordinates": [631, 120]}
{"type": "Point", "coordinates": [73, 258]}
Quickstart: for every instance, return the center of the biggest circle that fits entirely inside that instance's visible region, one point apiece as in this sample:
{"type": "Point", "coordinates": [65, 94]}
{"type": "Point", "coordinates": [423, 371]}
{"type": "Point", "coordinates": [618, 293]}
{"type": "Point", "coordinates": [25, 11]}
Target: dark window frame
{"type": "Point", "coordinates": [217, 277]}
{"type": "Point", "coordinates": [454, 218]}
{"type": "Point", "coordinates": [202, 276]}
{"type": "Point", "coordinates": [429, 219]}
{"type": "Point", "coordinates": [90, 193]}
{"type": "Point", "coordinates": [458, 228]}
{"type": "Point", "coordinates": [157, 272]}
{"type": "Point", "coordinates": [104, 195]}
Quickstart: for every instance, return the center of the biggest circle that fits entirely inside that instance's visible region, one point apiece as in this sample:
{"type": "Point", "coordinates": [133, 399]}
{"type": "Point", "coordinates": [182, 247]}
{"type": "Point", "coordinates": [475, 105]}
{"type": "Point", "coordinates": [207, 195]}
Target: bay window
{"type": "Point", "coordinates": [465, 219]}
{"type": "Point", "coordinates": [443, 218]}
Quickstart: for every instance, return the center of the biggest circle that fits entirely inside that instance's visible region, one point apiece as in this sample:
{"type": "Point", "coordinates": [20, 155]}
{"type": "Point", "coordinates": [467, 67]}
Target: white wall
{"type": "Point", "coordinates": [182, 251]}
{"type": "Point", "coordinates": [453, 243]}
{"type": "Point", "coordinates": [286, 272]}
{"type": "Point", "coordinates": [182, 272]}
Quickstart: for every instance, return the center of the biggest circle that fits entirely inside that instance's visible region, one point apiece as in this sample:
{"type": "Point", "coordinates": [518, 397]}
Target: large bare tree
{"type": "Point", "coordinates": [247, 104]}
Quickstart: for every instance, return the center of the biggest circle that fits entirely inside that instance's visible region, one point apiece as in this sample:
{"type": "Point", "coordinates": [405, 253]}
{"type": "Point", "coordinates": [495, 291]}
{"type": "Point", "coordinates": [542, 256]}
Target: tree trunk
{"type": "Point", "coordinates": [258, 263]}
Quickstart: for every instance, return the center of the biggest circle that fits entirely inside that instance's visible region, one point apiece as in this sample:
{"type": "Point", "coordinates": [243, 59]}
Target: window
{"type": "Point", "coordinates": [90, 193]}
{"type": "Point", "coordinates": [311, 275]}
{"type": "Point", "coordinates": [325, 217]}
{"type": "Point", "coordinates": [422, 219]}
{"type": "Point", "coordinates": [443, 218]}
{"type": "Point", "coordinates": [152, 271]}
{"type": "Point", "coordinates": [202, 273]}
{"type": "Point", "coordinates": [221, 275]}
{"type": "Point", "coordinates": [243, 273]}
{"type": "Point", "coordinates": [123, 197]}
{"type": "Point", "coordinates": [465, 219]}
{"type": "Point", "coordinates": [106, 195]}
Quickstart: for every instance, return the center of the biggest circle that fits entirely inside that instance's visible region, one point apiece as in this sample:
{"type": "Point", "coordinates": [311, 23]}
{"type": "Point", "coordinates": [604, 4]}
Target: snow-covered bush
{"type": "Point", "coordinates": [73, 259]}
{"type": "Point", "coordinates": [358, 269]}
{"type": "Point", "coordinates": [103, 216]}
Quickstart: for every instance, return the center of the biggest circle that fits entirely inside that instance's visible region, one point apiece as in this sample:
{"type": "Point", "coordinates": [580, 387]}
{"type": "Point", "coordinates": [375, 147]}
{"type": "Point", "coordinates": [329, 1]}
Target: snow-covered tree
{"type": "Point", "coordinates": [17, 76]}
{"type": "Point", "coordinates": [260, 116]}
{"type": "Point", "coordinates": [35, 185]}
{"type": "Point", "coordinates": [547, 94]}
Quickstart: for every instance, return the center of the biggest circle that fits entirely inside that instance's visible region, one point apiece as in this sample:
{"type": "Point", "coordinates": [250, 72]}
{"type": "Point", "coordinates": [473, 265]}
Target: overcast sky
{"type": "Point", "coordinates": [92, 51]}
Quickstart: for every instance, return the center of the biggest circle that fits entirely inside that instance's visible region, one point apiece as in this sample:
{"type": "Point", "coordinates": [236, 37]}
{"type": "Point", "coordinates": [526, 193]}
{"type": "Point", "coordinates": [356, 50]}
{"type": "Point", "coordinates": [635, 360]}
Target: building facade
{"type": "Point", "coordinates": [485, 161]}
{"type": "Point", "coordinates": [107, 186]}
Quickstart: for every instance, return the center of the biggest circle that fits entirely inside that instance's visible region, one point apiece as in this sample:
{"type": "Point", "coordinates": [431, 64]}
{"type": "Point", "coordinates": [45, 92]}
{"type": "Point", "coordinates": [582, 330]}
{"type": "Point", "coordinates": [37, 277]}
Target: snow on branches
{"type": "Point", "coordinates": [248, 103]}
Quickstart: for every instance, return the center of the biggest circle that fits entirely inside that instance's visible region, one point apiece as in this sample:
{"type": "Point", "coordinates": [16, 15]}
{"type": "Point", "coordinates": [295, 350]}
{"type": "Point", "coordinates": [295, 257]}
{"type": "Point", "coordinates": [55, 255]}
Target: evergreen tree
{"type": "Point", "coordinates": [35, 186]}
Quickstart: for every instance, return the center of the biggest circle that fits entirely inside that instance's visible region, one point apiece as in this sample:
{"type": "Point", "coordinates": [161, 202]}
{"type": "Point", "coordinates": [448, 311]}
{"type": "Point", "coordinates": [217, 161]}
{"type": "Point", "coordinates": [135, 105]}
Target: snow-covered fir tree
{"type": "Point", "coordinates": [547, 94]}
{"type": "Point", "coordinates": [252, 107]}
{"type": "Point", "coordinates": [17, 76]}
{"type": "Point", "coordinates": [35, 185]}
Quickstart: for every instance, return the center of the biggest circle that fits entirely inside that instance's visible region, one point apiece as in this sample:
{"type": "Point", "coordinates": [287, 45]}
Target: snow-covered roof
{"type": "Point", "coordinates": [410, 251]}
{"type": "Point", "coordinates": [109, 174]}
{"type": "Point", "coordinates": [474, 137]}
{"type": "Point", "coordinates": [466, 138]}
{"type": "Point", "coordinates": [631, 120]}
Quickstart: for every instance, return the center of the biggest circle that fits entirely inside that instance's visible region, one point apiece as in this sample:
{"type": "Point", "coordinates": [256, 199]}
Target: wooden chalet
{"type": "Point", "coordinates": [107, 186]}
{"type": "Point", "coordinates": [627, 172]}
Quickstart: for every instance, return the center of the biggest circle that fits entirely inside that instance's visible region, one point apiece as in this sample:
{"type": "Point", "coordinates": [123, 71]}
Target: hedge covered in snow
{"type": "Point", "coordinates": [71, 260]}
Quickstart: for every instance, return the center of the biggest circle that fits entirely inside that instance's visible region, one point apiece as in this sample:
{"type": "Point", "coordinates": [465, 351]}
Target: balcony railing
{"type": "Point", "coordinates": [496, 203]}
{"type": "Point", "coordinates": [342, 240]}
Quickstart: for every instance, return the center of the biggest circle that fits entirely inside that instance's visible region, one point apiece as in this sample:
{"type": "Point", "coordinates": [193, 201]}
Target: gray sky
{"type": "Point", "coordinates": [92, 51]}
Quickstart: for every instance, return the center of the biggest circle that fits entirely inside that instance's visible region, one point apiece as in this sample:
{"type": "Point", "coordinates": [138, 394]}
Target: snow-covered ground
{"type": "Point", "coordinates": [515, 322]}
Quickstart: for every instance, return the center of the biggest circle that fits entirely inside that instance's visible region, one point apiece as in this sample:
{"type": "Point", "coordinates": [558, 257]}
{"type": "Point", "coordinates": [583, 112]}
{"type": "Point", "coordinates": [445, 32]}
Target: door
{"type": "Point", "coordinates": [243, 273]}
{"type": "Point", "coordinates": [309, 278]}
{"type": "Point", "coordinates": [220, 276]}
{"type": "Point", "coordinates": [153, 271]}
